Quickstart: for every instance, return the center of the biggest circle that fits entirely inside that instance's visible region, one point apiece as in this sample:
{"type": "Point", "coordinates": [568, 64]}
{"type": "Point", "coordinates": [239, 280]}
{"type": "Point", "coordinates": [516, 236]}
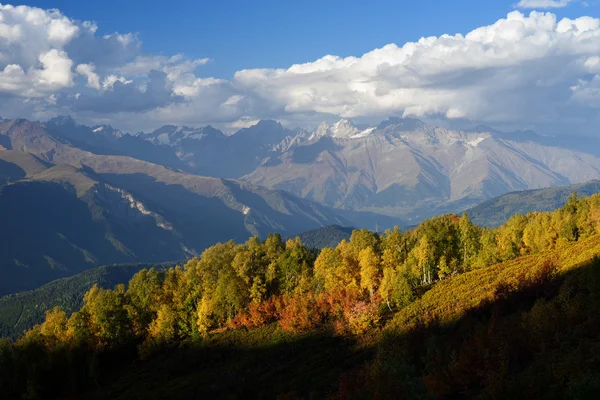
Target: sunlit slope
{"type": "Point", "coordinates": [448, 300]}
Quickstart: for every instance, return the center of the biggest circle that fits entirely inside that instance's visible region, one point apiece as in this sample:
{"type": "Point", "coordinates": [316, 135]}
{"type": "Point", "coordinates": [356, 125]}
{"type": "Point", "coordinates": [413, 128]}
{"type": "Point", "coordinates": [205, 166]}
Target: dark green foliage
{"type": "Point", "coordinates": [327, 236]}
{"type": "Point", "coordinates": [21, 311]}
{"type": "Point", "coordinates": [495, 212]}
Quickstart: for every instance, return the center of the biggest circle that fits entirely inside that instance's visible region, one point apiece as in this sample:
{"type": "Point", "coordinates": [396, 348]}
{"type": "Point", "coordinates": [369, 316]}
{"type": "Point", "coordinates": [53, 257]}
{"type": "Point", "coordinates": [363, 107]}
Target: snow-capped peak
{"type": "Point", "coordinates": [343, 129]}
{"type": "Point", "coordinates": [172, 134]}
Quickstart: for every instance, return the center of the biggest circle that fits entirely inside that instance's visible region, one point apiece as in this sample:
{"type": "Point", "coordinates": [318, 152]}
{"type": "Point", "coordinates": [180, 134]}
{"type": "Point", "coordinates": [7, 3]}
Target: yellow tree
{"type": "Point", "coordinates": [361, 239]}
{"type": "Point", "coordinates": [144, 291]}
{"type": "Point", "coordinates": [107, 315]}
{"type": "Point", "coordinates": [325, 269]}
{"type": "Point", "coordinates": [469, 240]}
{"type": "Point", "coordinates": [369, 269]}
{"type": "Point", "coordinates": [396, 288]}
{"type": "Point", "coordinates": [348, 271]}
{"type": "Point", "coordinates": [386, 288]}
{"type": "Point", "coordinates": [425, 256]}
{"type": "Point", "coordinates": [163, 328]}
{"type": "Point", "coordinates": [54, 328]}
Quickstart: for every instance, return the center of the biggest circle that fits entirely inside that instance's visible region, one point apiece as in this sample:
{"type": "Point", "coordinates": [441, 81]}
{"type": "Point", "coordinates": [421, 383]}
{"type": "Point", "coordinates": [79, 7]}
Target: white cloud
{"type": "Point", "coordinates": [87, 70]}
{"type": "Point", "coordinates": [243, 122]}
{"type": "Point", "coordinates": [543, 4]}
{"type": "Point", "coordinates": [491, 73]}
{"type": "Point", "coordinates": [110, 80]}
{"type": "Point", "coordinates": [531, 70]}
{"type": "Point", "coordinates": [55, 72]}
{"type": "Point", "coordinates": [38, 48]}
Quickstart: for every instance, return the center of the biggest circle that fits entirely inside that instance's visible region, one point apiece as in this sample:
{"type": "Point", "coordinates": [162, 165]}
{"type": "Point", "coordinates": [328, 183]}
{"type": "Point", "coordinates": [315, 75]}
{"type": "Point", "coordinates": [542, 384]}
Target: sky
{"type": "Point", "coordinates": [529, 64]}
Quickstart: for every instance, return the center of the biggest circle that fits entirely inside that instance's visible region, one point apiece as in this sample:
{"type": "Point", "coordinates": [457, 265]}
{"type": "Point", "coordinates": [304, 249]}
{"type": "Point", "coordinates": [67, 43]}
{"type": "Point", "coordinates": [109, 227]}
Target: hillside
{"type": "Point", "coordinates": [446, 310]}
{"type": "Point", "coordinates": [327, 236]}
{"type": "Point", "coordinates": [497, 211]}
{"type": "Point", "coordinates": [462, 338]}
{"type": "Point", "coordinates": [63, 222]}
{"type": "Point", "coordinates": [519, 329]}
{"type": "Point", "coordinates": [21, 311]}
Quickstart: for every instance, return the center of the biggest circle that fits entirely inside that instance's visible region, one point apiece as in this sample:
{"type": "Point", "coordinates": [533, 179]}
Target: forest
{"type": "Point", "coordinates": [445, 310]}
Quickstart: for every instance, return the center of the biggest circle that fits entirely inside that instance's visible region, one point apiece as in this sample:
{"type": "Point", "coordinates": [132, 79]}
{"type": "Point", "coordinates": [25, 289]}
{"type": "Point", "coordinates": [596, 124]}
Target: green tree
{"type": "Point", "coordinates": [107, 316]}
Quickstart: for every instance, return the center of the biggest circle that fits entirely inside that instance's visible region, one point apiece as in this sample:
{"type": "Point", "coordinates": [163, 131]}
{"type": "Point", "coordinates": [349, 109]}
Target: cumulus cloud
{"type": "Point", "coordinates": [502, 72]}
{"type": "Point", "coordinates": [35, 59]}
{"type": "Point", "coordinates": [528, 70]}
{"type": "Point", "coordinates": [87, 70]}
{"type": "Point", "coordinates": [120, 95]}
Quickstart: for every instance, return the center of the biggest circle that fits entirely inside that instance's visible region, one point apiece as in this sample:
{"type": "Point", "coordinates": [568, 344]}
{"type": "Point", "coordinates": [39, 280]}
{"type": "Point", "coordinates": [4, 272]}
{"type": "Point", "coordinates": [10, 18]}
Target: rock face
{"type": "Point", "coordinates": [406, 168]}
{"type": "Point", "coordinates": [402, 167]}
{"type": "Point", "coordinates": [207, 151]}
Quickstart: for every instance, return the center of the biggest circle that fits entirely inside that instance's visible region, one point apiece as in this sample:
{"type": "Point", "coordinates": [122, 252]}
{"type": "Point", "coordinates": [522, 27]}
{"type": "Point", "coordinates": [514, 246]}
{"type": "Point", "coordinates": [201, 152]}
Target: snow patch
{"type": "Point", "coordinates": [364, 133]}
{"type": "Point", "coordinates": [475, 142]}
{"type": "Point", "coordinates": [98, 129]}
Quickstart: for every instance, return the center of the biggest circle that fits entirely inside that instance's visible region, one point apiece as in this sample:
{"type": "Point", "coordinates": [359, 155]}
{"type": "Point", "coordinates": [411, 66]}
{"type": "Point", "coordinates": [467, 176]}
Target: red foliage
{"type": "Point", "coordinates": [259, 314]}
{"type": "Point", "coordinates": [302, 313]}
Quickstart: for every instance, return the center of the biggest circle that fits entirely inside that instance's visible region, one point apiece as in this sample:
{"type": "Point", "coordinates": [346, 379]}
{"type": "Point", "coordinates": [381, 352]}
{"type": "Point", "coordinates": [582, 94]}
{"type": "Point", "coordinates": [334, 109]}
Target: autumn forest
{"type": "Point", "coordinates": [444, 310]}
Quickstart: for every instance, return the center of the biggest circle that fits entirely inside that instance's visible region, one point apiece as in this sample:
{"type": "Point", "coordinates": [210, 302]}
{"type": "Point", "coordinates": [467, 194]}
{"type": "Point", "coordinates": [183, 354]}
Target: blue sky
{"type": "Point", "coordinates": [141, 64]}
{"type": "Point", "coordinates": [278, 33]}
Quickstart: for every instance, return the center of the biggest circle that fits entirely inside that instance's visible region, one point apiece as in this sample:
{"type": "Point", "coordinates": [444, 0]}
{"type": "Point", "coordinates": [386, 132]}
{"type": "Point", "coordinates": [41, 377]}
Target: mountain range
{"type": "Point", "coordinates": [73, 197]}
{"type": "Point", "coordinates": [402, 167]}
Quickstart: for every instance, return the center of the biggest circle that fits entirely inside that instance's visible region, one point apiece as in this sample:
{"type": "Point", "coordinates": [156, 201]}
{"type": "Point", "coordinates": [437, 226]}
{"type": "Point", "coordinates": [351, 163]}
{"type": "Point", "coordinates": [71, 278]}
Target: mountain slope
{"type": "Point", "coordinates": [15, 165]}
{"type": "Point", "coordinates": [409, 169]}
{"type": "Point", "coordinates": [207, 151]}
{"type": "Point", "coordinates": [401, 168]}
{"type": "Point", "coordinates": [495, 212]}
{"type": "Point", "coordinates": [267, 210]}
{"type": "Point", "coordinates": [59, 227]}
